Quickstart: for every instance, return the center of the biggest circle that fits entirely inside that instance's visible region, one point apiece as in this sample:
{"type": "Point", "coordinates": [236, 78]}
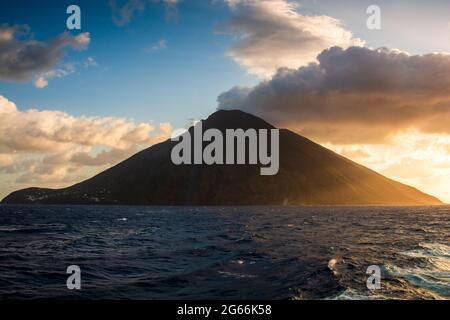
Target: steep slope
{"type": "Point", "coordinates": [309, 174]}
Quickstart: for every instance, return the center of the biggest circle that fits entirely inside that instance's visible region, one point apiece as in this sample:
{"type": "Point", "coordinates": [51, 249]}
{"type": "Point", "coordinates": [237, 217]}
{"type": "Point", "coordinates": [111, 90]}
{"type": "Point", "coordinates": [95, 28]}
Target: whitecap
{"type": "Point", "coordinates": [434, 275]}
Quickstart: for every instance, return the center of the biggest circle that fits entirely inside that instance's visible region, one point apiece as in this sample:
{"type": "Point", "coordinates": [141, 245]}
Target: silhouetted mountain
{"type": "Point", "coordinates": [309, 174]}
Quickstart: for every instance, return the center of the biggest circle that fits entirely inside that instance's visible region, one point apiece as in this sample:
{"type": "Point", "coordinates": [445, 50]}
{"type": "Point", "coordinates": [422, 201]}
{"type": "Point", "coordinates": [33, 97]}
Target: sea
{"type": "Point", "coordinates": [276, 253]}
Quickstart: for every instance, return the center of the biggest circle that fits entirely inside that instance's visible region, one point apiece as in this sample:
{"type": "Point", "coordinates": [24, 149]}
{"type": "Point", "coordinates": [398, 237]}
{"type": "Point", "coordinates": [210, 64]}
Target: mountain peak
{"type": "Point", "coordinates": [309, 174]}
{"type": "Point", "coordinates": [235, 119]}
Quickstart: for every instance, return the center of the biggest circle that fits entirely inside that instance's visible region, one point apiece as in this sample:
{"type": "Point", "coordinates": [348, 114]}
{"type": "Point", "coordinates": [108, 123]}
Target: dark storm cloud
{"type": "Point", "coordinates": [22, 59]}
{"type": "Point", "coordinates": [357, 95]}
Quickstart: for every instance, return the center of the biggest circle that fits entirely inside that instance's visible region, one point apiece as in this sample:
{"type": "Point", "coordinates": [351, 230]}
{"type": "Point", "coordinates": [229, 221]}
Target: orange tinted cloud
{"type": "Point", "coordinates": [272, 34]}
{"type": "Point", "coordinates": [53, 146]}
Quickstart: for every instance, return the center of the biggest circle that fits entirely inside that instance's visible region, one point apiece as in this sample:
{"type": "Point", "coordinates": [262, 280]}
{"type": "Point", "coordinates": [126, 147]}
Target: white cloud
{"type": "Point", "coordinates": [272, 34]}
{"type": "Point", "coordinates": [82, 40]}
{"type": "Point", "coordinates": [90, 62]}
{"type": "Point", "coordinates": [64, 71]}
{"type": "Point", "coordinates": [53, 146]}
{"type": "Point", "coordinates": [160, 45]}
{"type": "Point", "coordinates": [42, 80]}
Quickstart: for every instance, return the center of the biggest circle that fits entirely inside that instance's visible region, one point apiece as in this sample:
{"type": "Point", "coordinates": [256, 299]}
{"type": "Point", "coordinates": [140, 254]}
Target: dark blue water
{"type": "Point", "coordinates": [224, 253]}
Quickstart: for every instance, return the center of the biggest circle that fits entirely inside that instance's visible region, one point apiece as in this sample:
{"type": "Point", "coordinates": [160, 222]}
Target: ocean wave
{"type": "Point", "coordinates": [224, 253]}
{"type": "Point", "coordinates": [352, 294]}
{"type": "Point", "coordinates": [433, 274]}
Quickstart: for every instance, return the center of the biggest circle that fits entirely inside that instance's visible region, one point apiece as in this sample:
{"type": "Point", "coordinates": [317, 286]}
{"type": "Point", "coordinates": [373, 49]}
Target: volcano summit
{"type": "Point", "coordinates": [309, 174]}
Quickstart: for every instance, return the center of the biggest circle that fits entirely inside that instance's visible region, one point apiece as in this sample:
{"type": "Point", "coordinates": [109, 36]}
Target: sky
{"type": "Point", "coordinates": [74, 102]}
